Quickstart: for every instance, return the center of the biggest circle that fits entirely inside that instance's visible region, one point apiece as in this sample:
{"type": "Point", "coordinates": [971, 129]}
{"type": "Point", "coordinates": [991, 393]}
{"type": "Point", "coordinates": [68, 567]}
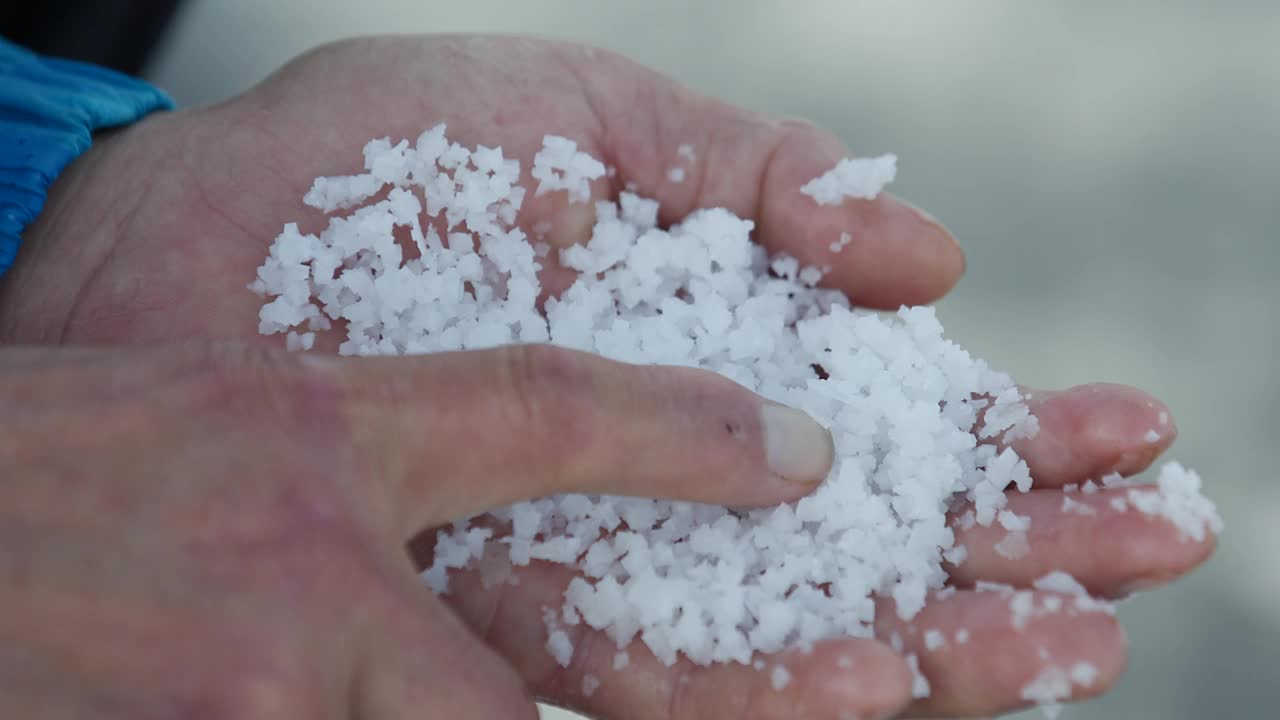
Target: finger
{"type": "Point", "coordinates": [1098, 538]}
{"type": "Point", "coordinates": [755, 166]}
{"type": "Point", "coordinates": [457, 433]}
{"type": "Point", "coordinates": [1090, 431]}
{"type": "Point", "coordinates": [419, 658]}
{"type": "Point", "coordinates": [859, 677]}
{"type": "Point", "coordinates": [981, 658]}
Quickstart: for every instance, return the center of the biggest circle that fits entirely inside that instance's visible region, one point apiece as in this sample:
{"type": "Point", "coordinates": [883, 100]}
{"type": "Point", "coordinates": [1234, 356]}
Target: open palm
{"type": "Point", "coordinates": [156, 232]}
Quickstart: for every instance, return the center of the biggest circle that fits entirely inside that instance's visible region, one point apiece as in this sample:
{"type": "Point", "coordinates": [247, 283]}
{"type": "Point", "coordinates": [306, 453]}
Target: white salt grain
{"type": "Point", "coordinates": [621, 660]}
{"type": "Point", "coordinates": [780, 677]}
{"type": "Point", "coordinates": [560, 647]}
{"type": "Point", "coordinates": [962, 636]}
{"type": "Point", "coordinates": [1048, 689]}
{"type": "Point", "coordinates": [919, 683]}
{"type": "Point", "coordinates": [842, 242]}
{"type": "Point", "coordinates": [559, 165]}
{"type": "Point", "coordinates": [1079, 508]}
{"type": "Point", "coordinates": [1151, 436]}
{"type": "Point", "coordinates": [862, 178]}
{"type": "Point", "coordinates": [1084, 674]}
{"type": "Point", "coordinates": [675, 174]}
{"type": "Point", "coordinates": [1014, 545]}
{"type": "Point", "coordinates": [1177, 499]}
{"type": "Point", "coordinates": [685, 150]}
{"type": "Point", "coordinates": [590, 683]}
{"type": "Point", "coordinates": [933, 639]}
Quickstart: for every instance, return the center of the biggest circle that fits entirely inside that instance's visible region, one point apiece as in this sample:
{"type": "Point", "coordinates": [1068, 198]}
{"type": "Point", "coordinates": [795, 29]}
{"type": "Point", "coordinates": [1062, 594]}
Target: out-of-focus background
{"type": "Point", "coordinates": [1112, 169]}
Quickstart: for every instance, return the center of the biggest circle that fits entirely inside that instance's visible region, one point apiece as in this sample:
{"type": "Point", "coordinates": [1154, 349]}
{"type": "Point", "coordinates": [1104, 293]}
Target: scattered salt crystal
{"type": "Point", "coordinates": [853, 177]}
{"type": "Point", "coordinates": [1164, 418]}
{"type": "Point", "coordinates": [1084, 674]}
{"type": "Point", "coordinates": [895, 641]}
{"type": "Point", "coordinates": [1118, 504]}
{"type": "Point", "coordinates": [1177, 498]}
{"type": "Point", "coordinates": [1012, 521]}
{"type": "Point", "coordinates": [560, 647]}
{"type": "Point", "coordinates": [1048, 689]}
{"type": "Point", "coordinates": [962, 636]}
{"type": "Point", "coordinates": [299, 341]}
{"type": "Point", "coordinates": [590, 683]}
{"type": "Point", "coordinates": [842, 242]}
{"type": "Point", "coordinates": [1061, 582]}
{"type": "Point", "coordinates": [1071, 488]}
{"type": "Point", "coordinates": [1089, 487]}
{"type": "Point", "coordinates": [675, 174]}
{"type": "Point", "coordinates": [1079, 508]}
{"type": "Point", "coordinates": [1115, 479]}
{"type": "Point", "coordinates": [757, 664]}
{"type": "Point", "coordinates": [780, 677]}
{"type": "Point", "coordinates": [956, 555]}
{"type": "Point", "coordinates": [1151, 436]}
{"type": "Point", "coordinates": [1022, 605]}
{"type": "Point", "coordinates": [919, 683]}
{"type": "Point", "coordinates": [844, 662]}
{"type": "Point", "coordinates": [685, 150]}
{"type": "Point", "coordinates": [621, 660]}
{"type": "Point", "coordinates": [933, 639]}
{"type": "Point", "coordinates": [995, 587]}
{"type": "Point", "coordinates": [1014, 545]}
{"type": "Point", "coordinates": [559, 165]}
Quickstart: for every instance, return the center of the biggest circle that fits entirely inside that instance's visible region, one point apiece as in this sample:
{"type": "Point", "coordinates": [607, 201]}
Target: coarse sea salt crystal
{"type": "Point", "coordinates": [1177, 498]}
{"type": "Point", "coordinates": [839, 244]}
{"type": "Point", "coordinates": [621, 660]}
{"type": "Point", "coordinates": [559, 165]}
{"type": "Point", "coordinates": [780, 677]}
{"type": "Point", "coordinates": [711, 583]}
{"type": "Point", "coordinates": [933, 639]}
{"type": "Point", "coordinates": [919, 683]}
{"type": "Point", "coordinates": [861, 178]}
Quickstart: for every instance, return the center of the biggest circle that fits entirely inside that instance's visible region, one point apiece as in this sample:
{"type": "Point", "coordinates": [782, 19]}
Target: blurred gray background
{"type": "Point", "coordinates": [1112, 170]}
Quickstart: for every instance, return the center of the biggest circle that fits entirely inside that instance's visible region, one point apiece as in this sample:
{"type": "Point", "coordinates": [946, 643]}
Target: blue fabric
{"type": "Point", "coordinates": [49, 110]}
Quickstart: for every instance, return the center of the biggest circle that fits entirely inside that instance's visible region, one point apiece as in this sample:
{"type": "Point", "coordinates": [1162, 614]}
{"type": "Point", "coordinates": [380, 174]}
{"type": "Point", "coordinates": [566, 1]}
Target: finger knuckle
{"type": "Point", "coordinates": [252, 380]}
{"type": "Point", "coordinates": [550, 387]}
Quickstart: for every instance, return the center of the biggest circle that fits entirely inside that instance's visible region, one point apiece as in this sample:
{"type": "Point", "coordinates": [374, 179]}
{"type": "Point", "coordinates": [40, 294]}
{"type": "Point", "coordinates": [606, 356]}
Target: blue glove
{"type": "Point", "coordinates": [49, 110]}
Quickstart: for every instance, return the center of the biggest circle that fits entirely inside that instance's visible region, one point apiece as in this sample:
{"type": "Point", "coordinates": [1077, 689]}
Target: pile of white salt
{"type": "Point", "coordinates": [712, 583]}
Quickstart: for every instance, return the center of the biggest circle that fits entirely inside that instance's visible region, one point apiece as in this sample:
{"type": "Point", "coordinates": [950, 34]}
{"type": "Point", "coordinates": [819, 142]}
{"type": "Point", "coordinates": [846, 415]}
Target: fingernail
{"type": "Point", "coordinates": [795, 445]}
{"type": "Point", "coordinates": [1144, 584]}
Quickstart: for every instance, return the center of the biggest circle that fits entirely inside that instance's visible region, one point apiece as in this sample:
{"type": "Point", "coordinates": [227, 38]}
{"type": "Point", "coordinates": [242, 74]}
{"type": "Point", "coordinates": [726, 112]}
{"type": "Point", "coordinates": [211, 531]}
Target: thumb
{"type": "Point", "coordinates": [454, 434]}
{"type": "Point", "coordinates": [421, 661]}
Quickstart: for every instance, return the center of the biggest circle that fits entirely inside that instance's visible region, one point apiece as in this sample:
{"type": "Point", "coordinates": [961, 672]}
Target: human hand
{"type": "Point", "coordinates": [218, 530]}
{"type": "Point", "coordinates": [155, 233]}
